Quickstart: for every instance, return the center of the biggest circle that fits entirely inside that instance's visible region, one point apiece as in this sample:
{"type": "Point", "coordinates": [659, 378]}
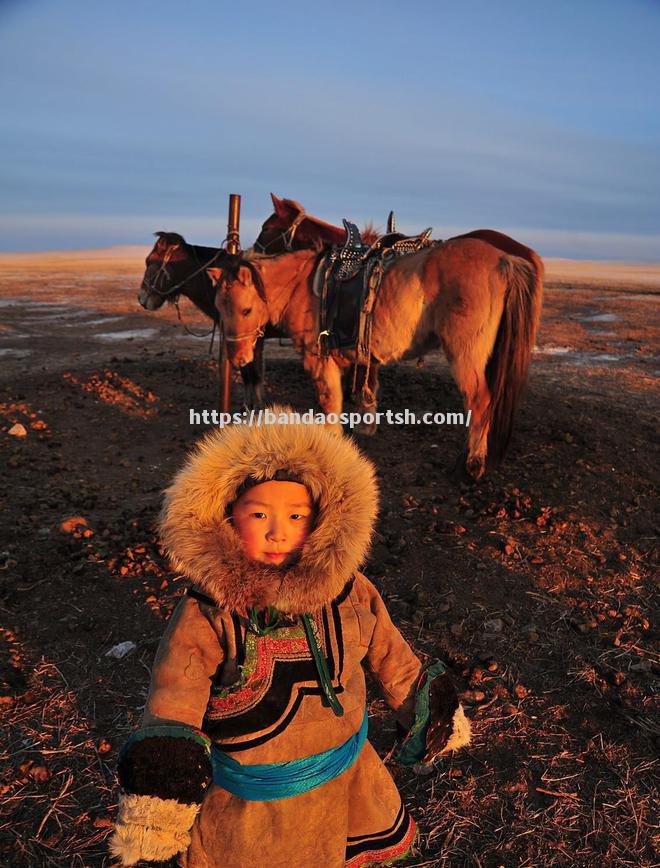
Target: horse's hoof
{"type": "Point", "coordinates": [476, 467]}
{"type": "Point", "coordinates": [458, 472]}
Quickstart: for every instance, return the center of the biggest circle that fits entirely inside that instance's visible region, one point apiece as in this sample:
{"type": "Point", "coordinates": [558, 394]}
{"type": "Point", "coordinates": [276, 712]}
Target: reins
{"type": "Point", "coordinates": [195, 334]}
{"type": "Point", "coordinates": [174, 290]}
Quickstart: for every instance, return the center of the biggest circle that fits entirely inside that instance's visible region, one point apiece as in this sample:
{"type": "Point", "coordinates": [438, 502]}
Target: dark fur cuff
{"type": "Point", "coordinates": [439, 725]}
{"type": "Point", "coordinates": [166, 762]}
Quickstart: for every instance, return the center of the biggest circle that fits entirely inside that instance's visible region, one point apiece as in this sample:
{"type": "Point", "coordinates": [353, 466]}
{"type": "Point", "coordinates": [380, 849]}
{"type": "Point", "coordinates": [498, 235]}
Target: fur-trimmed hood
{"type": "Point", "coordinates": [203, 545]}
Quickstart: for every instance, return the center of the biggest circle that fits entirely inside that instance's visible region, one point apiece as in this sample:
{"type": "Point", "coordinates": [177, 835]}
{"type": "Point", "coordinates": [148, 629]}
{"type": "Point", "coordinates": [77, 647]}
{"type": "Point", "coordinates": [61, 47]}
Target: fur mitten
{"type": "Point", "coordinates": [440, 723]}
{"type": "Point", "coordinates": [151, 829]}
{"type": "Point", "coordinates": [164, 772]}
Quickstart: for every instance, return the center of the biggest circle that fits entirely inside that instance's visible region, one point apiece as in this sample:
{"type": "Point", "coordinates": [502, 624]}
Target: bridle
{"type": "Point", "coordinates": [173, 292]}
{"type": "Point", "coordinates": [286, 236]}
{"type": "Point", "coordinates": [255, 335]}
{"type": "Point", "coordinates": [163, 273]}
{"type": "Point", "coordinates": [259, 287]}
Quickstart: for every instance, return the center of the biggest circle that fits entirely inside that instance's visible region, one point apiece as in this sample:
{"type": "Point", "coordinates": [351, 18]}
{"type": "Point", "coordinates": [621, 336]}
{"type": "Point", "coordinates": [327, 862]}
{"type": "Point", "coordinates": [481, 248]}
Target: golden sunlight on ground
{"type": "Point", "coordinates": [537, 584]}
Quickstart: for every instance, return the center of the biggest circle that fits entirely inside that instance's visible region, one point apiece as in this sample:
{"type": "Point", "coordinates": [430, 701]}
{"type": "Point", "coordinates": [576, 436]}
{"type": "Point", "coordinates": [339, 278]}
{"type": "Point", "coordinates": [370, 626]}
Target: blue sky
{"type": "Point", "coordinates": [541, 119]}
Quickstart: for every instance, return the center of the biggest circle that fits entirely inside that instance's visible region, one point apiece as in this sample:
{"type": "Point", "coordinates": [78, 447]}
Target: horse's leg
{"type": "Point", "coordinates": [247, 378]}
{"type": "Point", "coordinates": [260, 372]}
{"type": "Point", "coordinates": [252, 376]}
{"type": "Point", "coordinates": [347, 376]}
{"type": "Point", "coordinates": [470, 376]}
{"type": "Point", "coordinates": [327, 379]}
{"type": "Point", "coordinates": [367, 395]}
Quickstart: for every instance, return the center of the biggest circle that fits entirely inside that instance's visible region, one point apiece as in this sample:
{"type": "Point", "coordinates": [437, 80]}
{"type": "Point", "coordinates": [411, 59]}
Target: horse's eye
{"type": "Point", "coordinates": [247, 311]}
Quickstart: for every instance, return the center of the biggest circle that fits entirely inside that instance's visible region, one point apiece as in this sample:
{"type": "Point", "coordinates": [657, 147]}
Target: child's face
{"type": "Point", "coordinates": [273, 520]}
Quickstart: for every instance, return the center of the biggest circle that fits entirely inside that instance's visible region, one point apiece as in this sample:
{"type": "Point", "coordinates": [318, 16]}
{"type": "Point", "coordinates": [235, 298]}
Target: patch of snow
{"type": "Point", "coordinates": [14, 353]}
{"type": "Point", "coordinates": [126, 335]}
{"type": "Point", "coordinates": [553, 351]}
{"type": "Point", "coordinates": [599, 317]}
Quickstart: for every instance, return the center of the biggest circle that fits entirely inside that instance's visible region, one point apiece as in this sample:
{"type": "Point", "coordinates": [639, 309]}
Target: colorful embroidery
{"type": "Point", "coordinates": [261, 654]}
{"type": "Point", "coordinates": [393, 846]}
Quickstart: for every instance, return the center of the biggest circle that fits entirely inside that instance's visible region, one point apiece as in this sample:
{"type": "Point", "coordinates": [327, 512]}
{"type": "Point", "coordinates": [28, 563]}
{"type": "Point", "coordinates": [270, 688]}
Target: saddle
{"type": "Point", "coordinates": [349, 284]}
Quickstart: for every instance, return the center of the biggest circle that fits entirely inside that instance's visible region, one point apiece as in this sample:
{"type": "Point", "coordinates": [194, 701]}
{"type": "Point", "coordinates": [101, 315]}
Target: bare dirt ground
{"type": "Point", "coordinates": [537, 584]}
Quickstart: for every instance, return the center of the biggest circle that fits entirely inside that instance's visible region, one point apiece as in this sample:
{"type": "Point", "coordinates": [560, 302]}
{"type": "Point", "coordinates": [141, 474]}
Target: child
{"type": "Point", "coordinates": [253, 746]}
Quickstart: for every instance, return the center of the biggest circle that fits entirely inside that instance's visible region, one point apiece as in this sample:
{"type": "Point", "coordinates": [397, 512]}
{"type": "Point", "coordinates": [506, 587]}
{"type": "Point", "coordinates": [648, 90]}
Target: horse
{"type": "Point", "coordinates": [175, 268]}
{"type": "Point", "coordinates": [481, 305]}
{"type": "Point", "coordinates": [289, 227]}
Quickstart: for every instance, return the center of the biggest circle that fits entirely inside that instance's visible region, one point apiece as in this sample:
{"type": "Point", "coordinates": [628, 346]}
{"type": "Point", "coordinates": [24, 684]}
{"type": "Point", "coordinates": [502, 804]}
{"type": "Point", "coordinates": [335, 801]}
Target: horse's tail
{"type": "Point", "coordinates": [506, 371]}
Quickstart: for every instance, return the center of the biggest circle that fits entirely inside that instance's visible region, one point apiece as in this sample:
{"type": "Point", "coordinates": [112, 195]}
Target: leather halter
{"type": "Point", "coordinates": [256, 334]}
{"type": "Point", "coordinates": [287, 235]}
{"type": "Point", "coordinates": [259, 288]}
{"type": "Point", "coordinates": [164, 272]}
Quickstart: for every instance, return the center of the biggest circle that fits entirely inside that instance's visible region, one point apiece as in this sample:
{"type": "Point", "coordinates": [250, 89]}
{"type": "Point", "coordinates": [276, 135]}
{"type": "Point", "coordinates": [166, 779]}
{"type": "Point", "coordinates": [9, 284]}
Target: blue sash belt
{"type": "Point", "coordinates": [270, 781]}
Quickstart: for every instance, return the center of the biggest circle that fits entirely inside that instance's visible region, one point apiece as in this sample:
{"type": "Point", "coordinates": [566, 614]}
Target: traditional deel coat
{"type": "Point", "coordinates": [227, 685]}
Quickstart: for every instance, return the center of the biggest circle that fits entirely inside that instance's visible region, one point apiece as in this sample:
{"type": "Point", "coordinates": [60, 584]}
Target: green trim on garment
{"type": "Point", "coordinates": [414, 745]}
{"type": "Point", "coordinates": [262, 622]}
{"type": "Point", "coordinates": [321, 667]}
{"type": "Point", "coordinates": [179, 731]}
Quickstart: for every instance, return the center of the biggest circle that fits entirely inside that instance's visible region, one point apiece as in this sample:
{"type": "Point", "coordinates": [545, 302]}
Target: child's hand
{"type": "Point", "coordinates": [443, 703]}
{"type": "Point", "coordinates": [439, 725]}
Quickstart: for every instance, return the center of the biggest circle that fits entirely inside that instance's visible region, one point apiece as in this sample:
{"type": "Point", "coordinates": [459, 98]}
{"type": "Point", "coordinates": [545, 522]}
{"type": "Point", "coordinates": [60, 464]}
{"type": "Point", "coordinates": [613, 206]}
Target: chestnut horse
{"type": "Point", "coordinates": [465, 295]}
{"type": "Point", "coordinates": [175, 268]}
{"type": "Point", "coordinates": [289, 227]}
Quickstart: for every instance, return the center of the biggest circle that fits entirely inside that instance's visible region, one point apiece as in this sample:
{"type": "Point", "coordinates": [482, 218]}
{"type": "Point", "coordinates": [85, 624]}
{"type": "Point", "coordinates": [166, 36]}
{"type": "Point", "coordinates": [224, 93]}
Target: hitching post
{"type": "Point", "coordinates": [233, 246]}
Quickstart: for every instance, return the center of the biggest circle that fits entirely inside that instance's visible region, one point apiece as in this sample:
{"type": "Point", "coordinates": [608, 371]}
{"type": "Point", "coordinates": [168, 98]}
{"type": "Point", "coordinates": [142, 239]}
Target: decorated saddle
{"type": "Point", "coordinates": [350, 278]}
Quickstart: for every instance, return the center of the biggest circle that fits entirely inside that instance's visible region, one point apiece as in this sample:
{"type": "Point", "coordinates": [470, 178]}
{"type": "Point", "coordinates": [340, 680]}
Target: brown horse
{"type": "Point", "coordinates": [289, 227]}
{"type": "Point", "coordinates": [175, 268]}
{"type": "Point", "coordinates": [480, 305]}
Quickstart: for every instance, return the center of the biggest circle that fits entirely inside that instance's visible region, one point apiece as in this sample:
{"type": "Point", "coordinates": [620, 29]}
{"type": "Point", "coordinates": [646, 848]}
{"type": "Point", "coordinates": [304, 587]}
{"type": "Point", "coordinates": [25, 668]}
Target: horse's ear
{"type": "Point", "coordinates": [215, 274]}
{"type": "Point", "coordinates": [278, 205]}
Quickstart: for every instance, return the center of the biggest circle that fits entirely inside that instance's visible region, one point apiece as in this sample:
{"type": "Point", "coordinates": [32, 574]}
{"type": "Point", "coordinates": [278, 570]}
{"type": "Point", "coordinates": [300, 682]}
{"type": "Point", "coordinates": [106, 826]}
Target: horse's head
{"type": "Point", "coordinates": [242, 306]}
{"type": "Point", "coordinates": [163, 270]}
{"type": "Point", "coordinates": [282, 228]}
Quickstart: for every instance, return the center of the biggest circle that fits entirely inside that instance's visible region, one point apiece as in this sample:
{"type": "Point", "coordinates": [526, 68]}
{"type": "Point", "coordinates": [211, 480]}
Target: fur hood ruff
{"type": "Point", "coordinates": [203, 545]}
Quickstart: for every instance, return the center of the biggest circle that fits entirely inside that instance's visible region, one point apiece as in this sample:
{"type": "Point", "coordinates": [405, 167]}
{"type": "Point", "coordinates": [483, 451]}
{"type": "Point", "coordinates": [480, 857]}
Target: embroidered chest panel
{"type": "Point", "coordinates": [276, 671]}
{"type": "Point", "coordinates": [261, 654]}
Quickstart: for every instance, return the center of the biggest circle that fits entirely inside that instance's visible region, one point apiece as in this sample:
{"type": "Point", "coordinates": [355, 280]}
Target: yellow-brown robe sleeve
{"type": "Point", "coordinates": [397, 670]}
{"type": "Point", "coordinates": [389, 658]}
{"type": "Point", "coordinates": [164, 770]}
{"type": "Point", "coordinates": [188, 656]}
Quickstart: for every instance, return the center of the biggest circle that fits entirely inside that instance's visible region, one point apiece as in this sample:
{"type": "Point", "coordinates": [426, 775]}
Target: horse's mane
{"type": "Point", "coordinates": [232, 262]}
{"type": "Point", "coordinates": [171, 237]}
{"type": "Point", "coordinates": [369, 234]}
{"type": "Point", "coordinates": [198, 249]}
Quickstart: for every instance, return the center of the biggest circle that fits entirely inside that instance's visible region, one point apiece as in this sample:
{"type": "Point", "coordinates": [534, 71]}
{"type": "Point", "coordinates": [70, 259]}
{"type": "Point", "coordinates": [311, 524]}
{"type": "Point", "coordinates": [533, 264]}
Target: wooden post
{"type": "Point", "coordinates": [233, 246]}
{"type": "Point", "coordinates": [233, 223]}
